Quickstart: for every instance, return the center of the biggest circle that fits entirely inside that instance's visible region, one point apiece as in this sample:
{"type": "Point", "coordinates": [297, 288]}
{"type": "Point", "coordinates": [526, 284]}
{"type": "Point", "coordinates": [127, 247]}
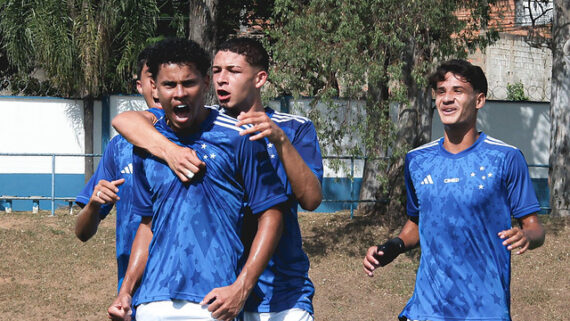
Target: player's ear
{"type": "Point", "coordinates": [261, 78]}
{"type": "Point", "coordinates": [480, 100]}
{"type": "Point", "coordinates": [139, 87]}
{"type": "Point", "coordinates": [154, 90]}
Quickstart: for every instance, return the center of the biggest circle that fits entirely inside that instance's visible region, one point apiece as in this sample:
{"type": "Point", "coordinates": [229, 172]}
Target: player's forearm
{"type": "Point", "coordinates": [410, 234]}
{"type": "Point", "coordinates": [87, 221]}
{"type": "Point", "coordinates": [269, 230]}
{"type": "Point", "coordinates": [137, 127]}
{"type": "Point", "coordinates": [304, 183]}
{"type": "Point", "coordinates": [138, 258]}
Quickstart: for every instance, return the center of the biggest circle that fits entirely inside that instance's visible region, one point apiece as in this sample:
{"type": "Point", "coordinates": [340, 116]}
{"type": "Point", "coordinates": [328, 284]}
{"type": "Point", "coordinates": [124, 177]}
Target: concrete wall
{"type": "Point", "coordinates": [51, 125]}
{"type": "Point", "coordinates": [511, 60]}
{"type": "Point", "coordinates": [41, 125]}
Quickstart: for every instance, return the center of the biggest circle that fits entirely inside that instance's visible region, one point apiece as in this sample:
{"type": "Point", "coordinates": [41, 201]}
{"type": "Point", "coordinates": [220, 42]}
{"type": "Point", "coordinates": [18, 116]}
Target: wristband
{"type": "Point", "coordinates": [391, 250]}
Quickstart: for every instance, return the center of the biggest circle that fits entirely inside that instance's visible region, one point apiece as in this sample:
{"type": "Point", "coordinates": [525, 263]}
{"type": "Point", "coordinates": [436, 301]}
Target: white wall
{"type": "Point", "coordinates": [41, 125]}
{"type": "Point", "coordinates": [51, 125]}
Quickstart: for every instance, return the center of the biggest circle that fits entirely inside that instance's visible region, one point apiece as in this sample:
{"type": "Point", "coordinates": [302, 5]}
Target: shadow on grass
{"type": "Point", "coordinates": [337, 233]}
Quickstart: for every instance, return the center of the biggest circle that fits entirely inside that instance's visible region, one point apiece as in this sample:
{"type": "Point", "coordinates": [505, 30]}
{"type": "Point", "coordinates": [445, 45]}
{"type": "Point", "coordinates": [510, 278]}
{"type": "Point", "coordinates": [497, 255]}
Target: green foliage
{"type": "Point", "coordinates": [515, 92]}
{"type": "Point", "coordinates": [85, 48]}
{"type": "Point", "coordinates": [375, 51]}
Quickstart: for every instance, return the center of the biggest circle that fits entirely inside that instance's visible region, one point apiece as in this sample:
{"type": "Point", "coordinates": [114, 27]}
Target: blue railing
{"type": "Point", "coordinates": [52, 196]}
{"type": "Point", "coordinates": [541, 187]}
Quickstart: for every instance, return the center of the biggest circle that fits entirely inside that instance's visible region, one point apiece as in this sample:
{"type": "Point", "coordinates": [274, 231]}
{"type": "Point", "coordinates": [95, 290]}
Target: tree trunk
{"type": "Point", "coordinates": [203, 29]}
{"type": "Point", "coordinates": [559, 172]}
{"type": "Point", "coordinates": [374, 165]}
{"type": "Point", "coordinates": [413, 128]}
{"type": "Point", "coordinates": [88, 131]}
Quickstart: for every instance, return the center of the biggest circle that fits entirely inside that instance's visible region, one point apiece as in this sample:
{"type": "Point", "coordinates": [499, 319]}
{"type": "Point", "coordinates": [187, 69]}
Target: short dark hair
{"type": "Point", "coordinates": [142, 60]}
{"type": "Point", "coordinates": [178, 51]}
{"type": "Point", "coordinates": [474, 75]}
{"type": "Point", "coordinates": [252, 49]}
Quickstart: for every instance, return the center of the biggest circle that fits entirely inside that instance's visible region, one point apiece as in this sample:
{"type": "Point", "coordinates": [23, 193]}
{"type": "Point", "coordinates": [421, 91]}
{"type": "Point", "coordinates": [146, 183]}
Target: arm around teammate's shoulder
{"type": "Point", "coordinates": [138, 128]}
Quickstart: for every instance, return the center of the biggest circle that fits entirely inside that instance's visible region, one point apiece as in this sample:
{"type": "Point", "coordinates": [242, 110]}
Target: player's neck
{"type": "Point", "coordinates": [255, 106]}
{"type": "Point", "coordinates": [457, 140]}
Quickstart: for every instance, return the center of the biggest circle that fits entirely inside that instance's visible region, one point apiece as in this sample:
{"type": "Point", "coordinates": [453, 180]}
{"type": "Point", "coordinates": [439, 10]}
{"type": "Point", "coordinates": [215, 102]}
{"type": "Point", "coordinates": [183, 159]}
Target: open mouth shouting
{"type": "Point", "coordinates": [223, 96]}
{"type": "Point", "coordinates": [182, 112]}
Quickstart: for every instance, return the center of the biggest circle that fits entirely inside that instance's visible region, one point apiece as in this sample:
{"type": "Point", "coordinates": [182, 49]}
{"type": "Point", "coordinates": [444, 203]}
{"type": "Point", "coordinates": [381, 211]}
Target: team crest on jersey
{"type": "Point", "coordinates": [207, 155]}
{"type": "Point", "coordinates": [481, 176]}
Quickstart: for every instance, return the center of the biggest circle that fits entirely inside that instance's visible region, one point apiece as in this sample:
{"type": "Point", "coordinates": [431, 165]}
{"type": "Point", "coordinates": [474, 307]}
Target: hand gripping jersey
{"type": "Point", "coordinates": [463, 201]}
{"type": "Point", "coordinates": [116, 163]}
{"type": "Point", "coordinates": [196, 245]}
{"type": "Point", "coordinates": [285, 283]}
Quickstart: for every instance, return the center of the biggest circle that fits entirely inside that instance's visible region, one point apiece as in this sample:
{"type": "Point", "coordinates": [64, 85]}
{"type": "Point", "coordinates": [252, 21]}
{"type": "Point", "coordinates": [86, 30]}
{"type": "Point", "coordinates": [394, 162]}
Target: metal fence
{"type": "Point", "coordinates": [52, 198]}
{"type": "Point", "coordinates": [353, 200]}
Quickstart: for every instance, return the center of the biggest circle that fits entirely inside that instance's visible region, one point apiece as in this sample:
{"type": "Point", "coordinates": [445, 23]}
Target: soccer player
{"type": "Point", "coordinates": [240, 69]}
{"type": "Point", "coordinates": [188, 243]}
{"type": "Point", "coordinates": [462, 191]}
{"type": "Point", "coordinates": [113, 179]}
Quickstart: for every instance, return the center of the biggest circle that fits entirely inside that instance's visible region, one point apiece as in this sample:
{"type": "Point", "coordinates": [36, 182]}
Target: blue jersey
{"type": "Point", "coordinates": [196, 245]}
{"type": "Point", "coordinates": [285, 283]}
{"type": "Point", "coordinates": [463, 201]}
{"type": "Point", "coordinates": [116, 163]}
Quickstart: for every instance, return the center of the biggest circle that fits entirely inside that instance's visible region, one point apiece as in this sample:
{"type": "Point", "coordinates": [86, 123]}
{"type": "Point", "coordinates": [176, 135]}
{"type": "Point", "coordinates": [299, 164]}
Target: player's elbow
{"type": "Point", "coordinates": [84, 234]}
{"type": "Point", "coordinates": [82, 237]}
{"type": "Point", "coordinates": [118, 122]}
{"type": "Point", "coordinates": [311, 203]}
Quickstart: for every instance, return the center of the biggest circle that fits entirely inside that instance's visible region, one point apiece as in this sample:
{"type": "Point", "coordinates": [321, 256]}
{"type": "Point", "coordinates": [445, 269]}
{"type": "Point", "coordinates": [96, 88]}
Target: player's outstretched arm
{"type": "Point", "coordinates": [528, 236]}
{"type": "Point", "coordinates": [226, 302]}
{"type": "Point", "coordinates": [384, 254]}
{"type": "Point", "coordinates": [305, 185]}
{"type": "Point", "coordinates": [88, 219]}
{"type": "Point", "coordinates": [120, 309]}
{"type": "Point", "coordinates": [137, 127]}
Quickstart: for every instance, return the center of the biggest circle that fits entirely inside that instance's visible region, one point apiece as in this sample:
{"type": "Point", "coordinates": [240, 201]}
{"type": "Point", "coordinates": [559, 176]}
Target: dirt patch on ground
{"type": "Point", "coordinates": [48, 274]}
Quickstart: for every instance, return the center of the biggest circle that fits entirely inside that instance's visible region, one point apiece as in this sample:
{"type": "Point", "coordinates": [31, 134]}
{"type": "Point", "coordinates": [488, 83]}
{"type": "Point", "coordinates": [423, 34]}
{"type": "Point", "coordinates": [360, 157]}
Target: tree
{"type": "Point", "coordinates": [559, 173]}
{"type": "Point", "coordinates": [378, 52]}
{"type": "Point", "coordinates": [213, 21]}
{"type": "Point", "coordinates": [86, 48]}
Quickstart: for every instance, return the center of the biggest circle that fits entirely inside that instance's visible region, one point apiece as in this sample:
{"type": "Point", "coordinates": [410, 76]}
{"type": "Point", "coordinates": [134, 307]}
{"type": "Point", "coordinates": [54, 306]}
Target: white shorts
{"type": "Point", "coordinates": [285, 315]}
{"type": "Point", "coordinates": [173, 310]}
